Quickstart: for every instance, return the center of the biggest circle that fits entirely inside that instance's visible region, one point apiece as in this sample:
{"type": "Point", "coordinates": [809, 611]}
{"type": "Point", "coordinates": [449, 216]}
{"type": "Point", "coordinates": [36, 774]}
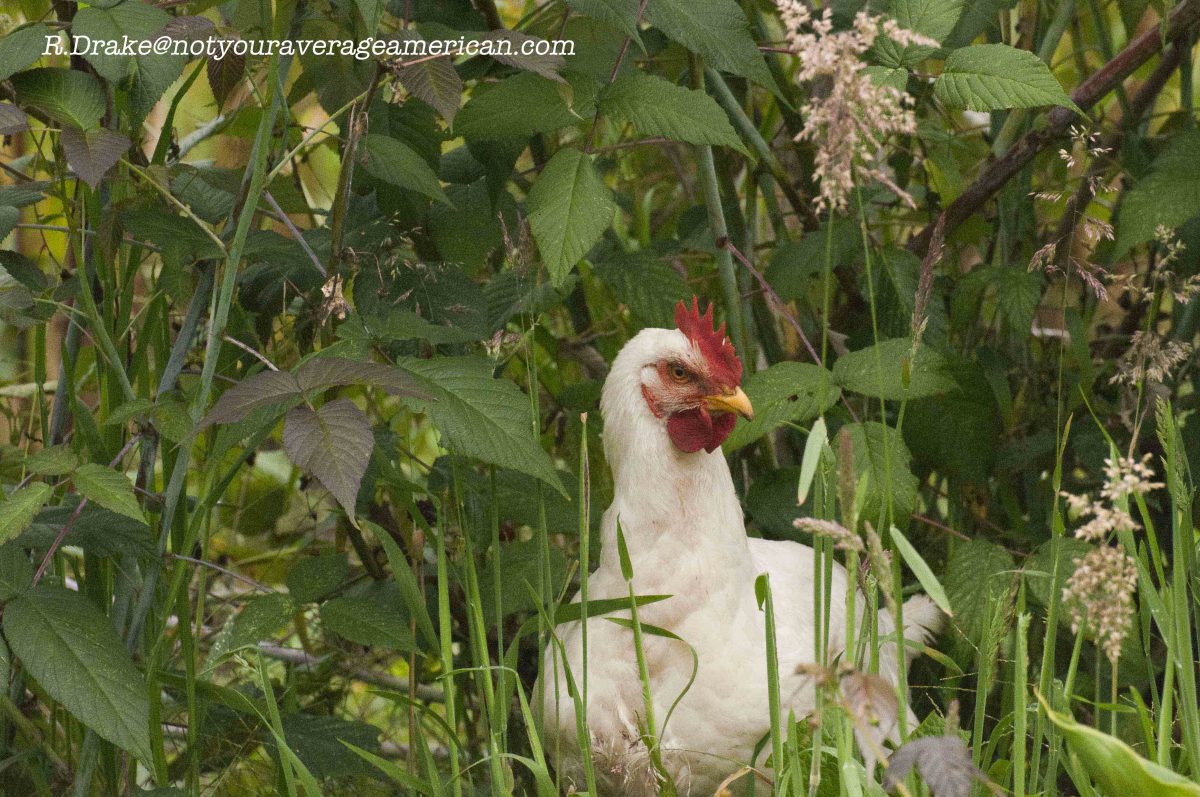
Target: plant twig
{"type": "Point", "coordinates": [998, 172]}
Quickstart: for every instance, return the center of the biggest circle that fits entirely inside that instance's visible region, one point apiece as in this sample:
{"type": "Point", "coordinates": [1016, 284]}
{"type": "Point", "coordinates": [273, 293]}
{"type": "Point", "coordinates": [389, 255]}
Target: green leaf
{"type": "Point", "coordinates": [1038, 568]}
{"type": "Point", "coordinates": [107, 488]}
{"type": "Point", "coordinates": [16, 571]}
{"type": "Point", "coordinates": [21, 47]}
{"type": "Point", "coordinates": [93, 152]}
{"type": "Point", "coordinates": [392, 162]}
{"type": "Point", "coordinates": [66, 95]}
{"type": "Point", "coordinates": [20, 508]}
{"type": "Point", "coordinates": [814, 447]}
{"type": "Point", "coordinates": [716, 30]}
{"type": "Point", "coordinates": [334, 444]}
{"type": "Point", "coordinates": [318, 373]}
{"type": "Point", "coordinates": [410, 590]}
{"type": "Point", "coordinates": [373, 617]}
{"type": "Point", "coordinates": [645, 284]}
{"type": "Point", "coordinates": [978, 577]}
{"type": "Point", "coordinates": [620, 14]}
{"type": "Point", "coordinates": [991, 77]}
{"type": "Point", "coordinates": [933, 18]}
{"type": "Point", "coordinates": [314, 578]}
{"type": "Point", "coordinates": [1169, 195]}
{"type": "Point", "coordinates": [10, 217]}
{"type": "Point", "coordinates": [262, 617]}
{"type": "Point", "coordinates": [508, 49]}
{"type": "Point", "coordinates": [517, 107]}
{"type": "Point", "coordinates": [787, 392]}
{"type": "Point", "coordinates": [371, 11]}
{"type": "Point", "coordinates": [75, 654]}
{"type": "Point", "coordinates": [1114, 765]}
{"type": "Point", "coordinates": [480, 416]}
{"type": "Point", "coordinates": [658, 107]}
{"type": "Point", "coordinates": [569, 208]}
{"type": "Point", "coordinates": [882, 371]}
{"type": "Point", "coordinates": [877, 448]}
{"type": "Point", "coordinates": [52, 461]}
{"type": "Point", "coordinates": [434, 81]}
{"type": "Point", "coordinates": [320, 742]}
{"type": "Point", "coordinates": [102, 25]}
{"type": "Point", "coordinates": [15, 298]}
{"type": "Point", "coordinates": [394, 771]}
{"type": "Point", "coordinates": [916, 563]}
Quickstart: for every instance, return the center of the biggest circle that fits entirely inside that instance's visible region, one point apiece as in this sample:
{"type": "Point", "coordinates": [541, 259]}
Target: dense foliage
{"type": "Point", "coordinates": [301, 358]}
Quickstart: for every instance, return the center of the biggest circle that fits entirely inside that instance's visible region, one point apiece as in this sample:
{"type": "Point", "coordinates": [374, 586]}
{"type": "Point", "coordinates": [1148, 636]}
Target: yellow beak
{"type": "Point", "coordinates": [736, 401]}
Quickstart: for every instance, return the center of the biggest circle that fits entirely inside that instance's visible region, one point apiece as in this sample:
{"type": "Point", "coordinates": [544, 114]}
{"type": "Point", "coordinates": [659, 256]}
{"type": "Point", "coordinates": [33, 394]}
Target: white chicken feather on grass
{"type": "Point", "coordinates": [668, 404]}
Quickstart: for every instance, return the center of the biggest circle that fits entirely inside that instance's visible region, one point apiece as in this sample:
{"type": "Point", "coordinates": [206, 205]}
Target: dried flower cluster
{"type": "Point", "coordinates": [1162, 276]}
{"type": "Point", "coordinates": [1150, 358]}
{"type": "Point", "coordinates": [1099, 597]}
{"type": "Point", "coordinates": [1099, 594]}
{"type": "Point", "coordinates": [850, 121]}
{"type": "Point", "coordinates": [1090, 230]}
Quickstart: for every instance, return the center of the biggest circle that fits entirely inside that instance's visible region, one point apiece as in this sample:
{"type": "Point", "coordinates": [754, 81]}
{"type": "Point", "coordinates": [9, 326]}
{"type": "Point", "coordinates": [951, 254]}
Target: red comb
{"type": "Point", "coordinates": [713, 344]}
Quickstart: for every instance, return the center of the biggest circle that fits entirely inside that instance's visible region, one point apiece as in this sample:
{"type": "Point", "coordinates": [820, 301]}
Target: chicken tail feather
{"type": "Point", "coordinates": [923, 621]}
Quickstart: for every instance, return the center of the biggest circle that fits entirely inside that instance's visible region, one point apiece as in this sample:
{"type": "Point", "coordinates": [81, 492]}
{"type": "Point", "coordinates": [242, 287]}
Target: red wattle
{"type": "Point", "coordinates": [692, 430]}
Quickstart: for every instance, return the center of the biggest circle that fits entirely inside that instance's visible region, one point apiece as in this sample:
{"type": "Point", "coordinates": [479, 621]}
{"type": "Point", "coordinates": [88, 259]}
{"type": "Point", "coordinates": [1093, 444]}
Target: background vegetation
{"type": "Point", "coordinates": [296, 354]}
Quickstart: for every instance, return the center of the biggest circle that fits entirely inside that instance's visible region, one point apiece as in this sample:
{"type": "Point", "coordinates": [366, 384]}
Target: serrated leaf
{"type": "Point", "coordinates": [480, 416]}
{"type": "Point", "coordinates": [943, 761]}
{"type": "Point", "coordinates": [371, 11]}
{"type": "Point", "coordinates": [66, 95]}
{"type": "Point", "coordinates": [787, 392]}
{"type": "Point", "coordinates": [312, 579]}
{"type": "Point", "coordinates": [932, 18]}
{"type": "Point", "coordinates": [10, 217]}
{"type": "Point", "coordinates": [1169, 195]}
{"type": "Point", "coordinates": [620, 14]}
{"type": "Point", "coordinates": [374, 617]}
{"type": "Point", "coordinates": [16, 572]}
{"type": "Point", "coordinates": [516, 107]}
{"type": "Point", "coordinates": [434, 81]}
{"type": "Point", "coordinates": [334, 444]}
{"type": "Point", "coordinates": [138, 21]}
{"type": "Point", "coordinates": [888, 371]}
{"type": "Point", "coordinates": [992, 77]}
{"type": "Point", "coordinates": [644, 283]}
{"type": "Point", "coordinates": [392, 162]}
{"type": "Point", "coordinates": [569, 208]}
{"type": "Point", "coordinates": [321, 743]}
{"type": "Point", "coordinates": [318, 373]}
{"type": "Point", "coordinates": [20, 508]}
{"type": "Point", "coordinates": [107, 488]}
{"type": "Point", "coordinates": [52, 461]}
{"type": "Point", "coordinates": [658, 107]}
{"type": "Point", "coordinates": [224, 75]}
{"type": "Point", "coordinates": [12, 120]}
{"type": "Point", "coordinates": [261, 618]}
{"type": "Point", "coordinates": [508, 52]}
{"type": "Point", "coordinates": [21, 47]}
{"type": "Point", "coordinates": [716, 30]}
{"type": "Point", "coordinates": [881, 455]}
{"type": "Point", "coordinates": [1114, 765]}
{"type": "Point", "coordinates": [75, 654]}
{"type": "Point", "coordinates": [92, 153]}
{"type": "Point", "coordinates": [977, 578]}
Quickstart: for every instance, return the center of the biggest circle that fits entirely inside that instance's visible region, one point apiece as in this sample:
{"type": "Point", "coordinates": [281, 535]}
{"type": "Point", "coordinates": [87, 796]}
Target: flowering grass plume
{"type": "Point", "coordinates": [1099, 594]}
{"type": "Point", "coordinates": [849, 122]}
{"type": "Point", "coordinates": [1150, 358]}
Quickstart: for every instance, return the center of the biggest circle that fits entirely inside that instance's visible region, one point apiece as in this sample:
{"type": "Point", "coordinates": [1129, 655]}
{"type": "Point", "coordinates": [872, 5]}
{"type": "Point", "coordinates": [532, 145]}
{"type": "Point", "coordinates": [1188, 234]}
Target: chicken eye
{"type": "Point", "coordinates": [678, 373]}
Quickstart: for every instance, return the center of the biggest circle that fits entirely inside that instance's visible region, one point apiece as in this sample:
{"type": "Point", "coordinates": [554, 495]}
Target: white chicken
{"type": "Point", "coordinates": [671, 399]}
